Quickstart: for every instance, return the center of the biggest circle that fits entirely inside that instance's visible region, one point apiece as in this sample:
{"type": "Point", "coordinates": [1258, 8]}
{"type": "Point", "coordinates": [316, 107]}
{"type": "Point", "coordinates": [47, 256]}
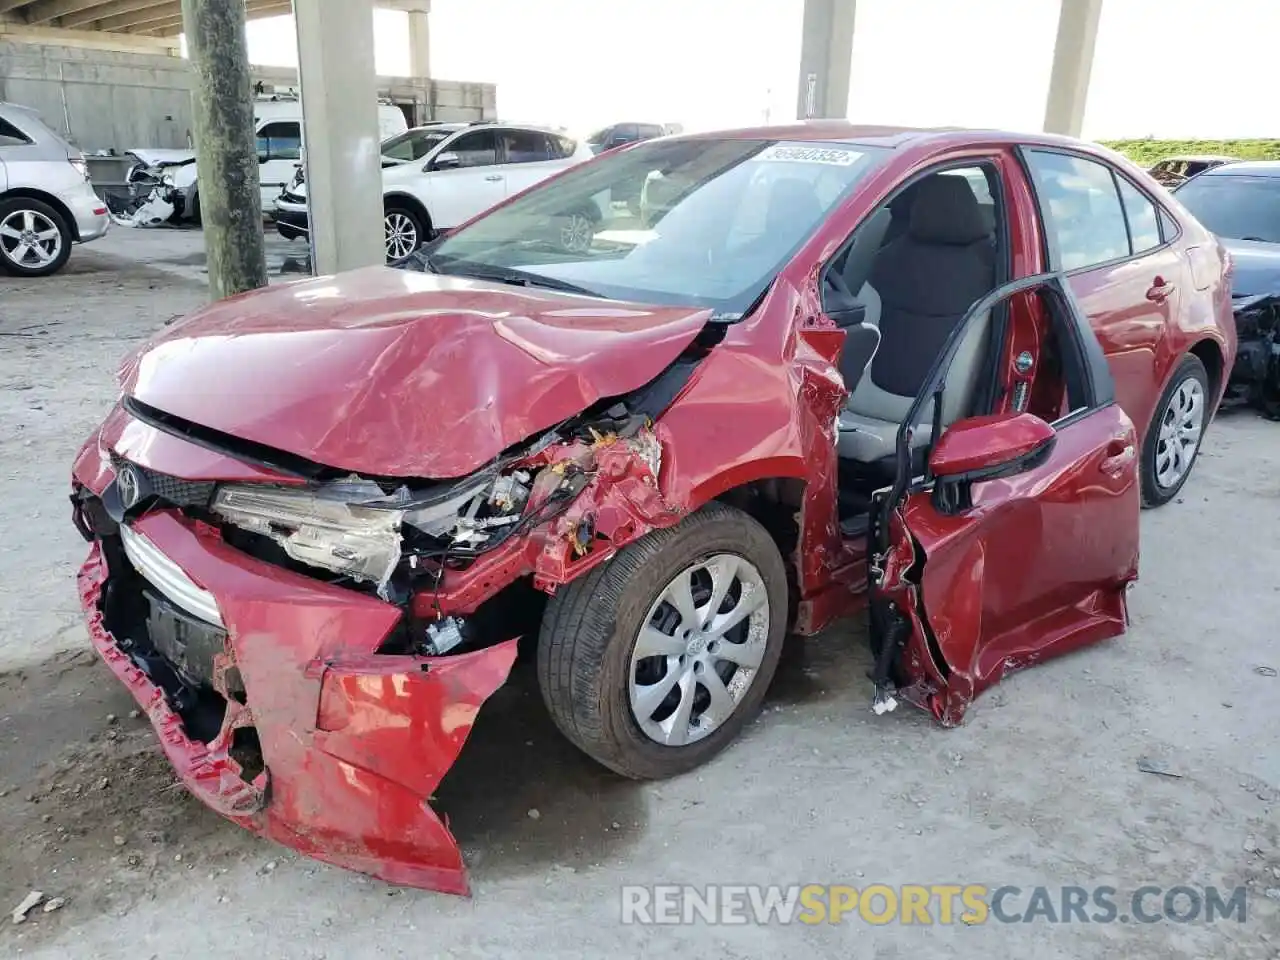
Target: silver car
{"type": "Point", "coordinates": [46, 200]}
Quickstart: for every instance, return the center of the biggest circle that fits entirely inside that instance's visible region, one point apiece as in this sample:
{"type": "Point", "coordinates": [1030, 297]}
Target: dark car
{"type": "Point", "coordinates": [620, 134]}
{"type": "Point", "coordinates": [923, 376]}
{"type": "Point", "coordinates": [1240, 202]}
{"type": "Point", "coordinates": [1172, 171]}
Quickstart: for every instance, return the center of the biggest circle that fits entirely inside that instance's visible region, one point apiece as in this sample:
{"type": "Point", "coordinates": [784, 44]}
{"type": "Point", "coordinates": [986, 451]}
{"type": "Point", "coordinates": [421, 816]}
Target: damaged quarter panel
{"type": "Point", "coordinates": [332, 369]}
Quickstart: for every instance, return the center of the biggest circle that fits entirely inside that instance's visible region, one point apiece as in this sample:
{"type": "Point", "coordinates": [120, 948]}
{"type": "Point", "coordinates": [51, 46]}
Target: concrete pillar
{"type": "Point", "coordinates": [826, 55]}
{"type": "Point", "coordinates": [226, 152]}
{"type": "Point", "coordinates": [420, 40]}
{"type": "Point", "coordinates": [340, 132]}
{"type": "Point", "coordinates": [1072, 64]}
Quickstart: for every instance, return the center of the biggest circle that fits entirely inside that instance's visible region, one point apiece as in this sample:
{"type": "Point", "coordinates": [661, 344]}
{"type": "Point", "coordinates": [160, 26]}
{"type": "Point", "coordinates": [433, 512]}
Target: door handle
{"type": "Point", "coordinates": [494, 177]}
{"type": "Point", "coordinates": [1118, 456]}
{"type": "Point", "coordinates": [1159, 290]}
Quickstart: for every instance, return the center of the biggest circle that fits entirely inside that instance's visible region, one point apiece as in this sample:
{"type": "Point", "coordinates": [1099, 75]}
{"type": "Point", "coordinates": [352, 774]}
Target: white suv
{"type": "Point", "coordinates": [437, 177]}
{"type": "Point", "coordinates": [46, 200]}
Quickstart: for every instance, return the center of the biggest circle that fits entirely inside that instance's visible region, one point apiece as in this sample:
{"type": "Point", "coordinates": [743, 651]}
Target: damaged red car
{"type": "Point", "coordinates": [826, 368]}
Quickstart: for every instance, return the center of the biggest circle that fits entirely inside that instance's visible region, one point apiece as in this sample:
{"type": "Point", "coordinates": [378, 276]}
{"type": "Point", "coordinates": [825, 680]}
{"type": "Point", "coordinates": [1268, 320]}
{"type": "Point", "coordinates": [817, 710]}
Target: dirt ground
{"type": "Point", "coordinates": [1041, 786]}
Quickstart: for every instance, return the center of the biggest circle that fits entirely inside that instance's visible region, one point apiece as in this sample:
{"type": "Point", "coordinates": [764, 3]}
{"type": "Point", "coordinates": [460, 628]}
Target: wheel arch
{"type": "Point", "coordinates": [410, 202]}
{"type": "Point", "coordinates": [31, 193]}
{"type": "Point", "coordinates": [776, 503]}
{"type": "Point", "coordinates": [1211, 355]}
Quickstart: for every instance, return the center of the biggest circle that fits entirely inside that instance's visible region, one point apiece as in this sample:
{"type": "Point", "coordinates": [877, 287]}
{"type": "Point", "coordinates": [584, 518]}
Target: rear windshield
{"type": "Point", "coordinates": [696, 222]}
{"type": "Point", "coordinates": [1234, 206]}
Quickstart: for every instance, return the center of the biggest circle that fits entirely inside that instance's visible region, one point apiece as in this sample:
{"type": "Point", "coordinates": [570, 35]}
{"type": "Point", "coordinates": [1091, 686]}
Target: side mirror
{"type": "Point", "coordinates": [263, 156]}
{"type": "Point", "coordinates": [446, 161]}
{"type": "Point", "coordinates": [985, 448]}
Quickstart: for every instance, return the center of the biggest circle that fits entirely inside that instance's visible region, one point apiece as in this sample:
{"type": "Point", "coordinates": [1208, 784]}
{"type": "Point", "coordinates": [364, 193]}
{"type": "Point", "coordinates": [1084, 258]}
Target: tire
{"type": "Point", "coordinates": [35, 239]}
{"type": "Point", "coordinates": [195, 210]}
{"type": "Point", "coordinates": [1175, 433]}
{"type": "Point", "coordinates": [591, 627]}
{"type": "Point", "coordinates": [403, 232]}
{"type": "Point", "coordinates": [286, 231]}
{"type": "Point", "coordinates": [577, 229]}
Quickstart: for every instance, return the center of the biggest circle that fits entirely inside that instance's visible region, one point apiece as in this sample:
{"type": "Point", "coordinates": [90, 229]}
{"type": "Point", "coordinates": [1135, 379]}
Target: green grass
{"type": "Point", "coordinates": [1146, 152]}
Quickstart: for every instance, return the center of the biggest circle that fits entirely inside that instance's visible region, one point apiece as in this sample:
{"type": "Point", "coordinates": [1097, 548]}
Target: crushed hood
{"type": "Point", "coordinates": [395, 373]}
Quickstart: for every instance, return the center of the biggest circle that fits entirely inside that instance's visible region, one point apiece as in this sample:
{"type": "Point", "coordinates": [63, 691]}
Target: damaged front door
{"type": "Point", "coordinates": [1020, 538]}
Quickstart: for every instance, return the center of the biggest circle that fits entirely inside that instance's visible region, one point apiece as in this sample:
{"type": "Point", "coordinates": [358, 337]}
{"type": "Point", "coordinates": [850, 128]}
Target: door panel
{"type": "Point", "coordinates": [1038, 566]}
{"type": "Point", "coordinates": [458, 194]}
{"type": "Point", "coordinates": [1132, 328]}
{"type": "Point", "coordinates": [1013, 553]}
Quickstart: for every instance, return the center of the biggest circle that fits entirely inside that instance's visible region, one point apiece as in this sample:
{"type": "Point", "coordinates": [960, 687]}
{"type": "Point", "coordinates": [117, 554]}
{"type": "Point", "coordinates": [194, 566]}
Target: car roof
{"type": "Point", "coordinates": [1251, 168]}
{"type": "Point", "coordinates": [886, 136]}
{"type": "Point", "coordinates": [1197, 158]}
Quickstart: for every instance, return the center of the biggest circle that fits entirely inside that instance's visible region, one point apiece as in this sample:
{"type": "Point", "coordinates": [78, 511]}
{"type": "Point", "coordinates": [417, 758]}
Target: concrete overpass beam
{"type": "Point", "coordinates": [826, 56]}
{"type": "Point", "coordinates": [1072, 65]}
{"type": "Point", "coordinates": [340, 129]}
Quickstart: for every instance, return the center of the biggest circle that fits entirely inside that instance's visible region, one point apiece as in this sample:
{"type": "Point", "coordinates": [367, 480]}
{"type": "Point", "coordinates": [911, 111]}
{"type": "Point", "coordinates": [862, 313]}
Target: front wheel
{"type": "Point", "coordinates": [653, 663]}
{"type": "Point", "coordinates": [1173, 438]}
{"type": "Point", "coordinates": [404, 232]}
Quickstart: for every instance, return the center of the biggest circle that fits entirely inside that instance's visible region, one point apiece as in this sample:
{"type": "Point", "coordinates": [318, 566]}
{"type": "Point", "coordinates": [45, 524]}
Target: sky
{"type": "Point", "coordinates": [1165, 68]}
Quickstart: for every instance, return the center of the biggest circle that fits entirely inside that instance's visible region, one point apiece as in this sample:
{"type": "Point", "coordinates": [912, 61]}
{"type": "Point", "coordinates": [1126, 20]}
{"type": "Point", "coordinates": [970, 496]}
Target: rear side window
{"type": "Point", "coordinates": [1081, 208]}
{"type": "Point", "coordinates": [11, 136]}
{"type": "Point", "coordinates": [561, 147]}
{"type": "Point", "coordinates": [524, 146]}
{"type": "Point", "coordinates": [1144, 223]}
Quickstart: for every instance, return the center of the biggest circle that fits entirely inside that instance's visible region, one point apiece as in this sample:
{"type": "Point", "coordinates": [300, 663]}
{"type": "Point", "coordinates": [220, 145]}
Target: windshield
{"type": "Point", "coordinates": [690, 222]}
{"type": "Point", "coordinates": [413, 144]}
{"type": "Point", "coordinates": [1235, 207]}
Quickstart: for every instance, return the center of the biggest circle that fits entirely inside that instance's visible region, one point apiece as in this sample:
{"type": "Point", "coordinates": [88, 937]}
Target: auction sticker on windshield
{"type": "Point", "coordinates": [788, 153]}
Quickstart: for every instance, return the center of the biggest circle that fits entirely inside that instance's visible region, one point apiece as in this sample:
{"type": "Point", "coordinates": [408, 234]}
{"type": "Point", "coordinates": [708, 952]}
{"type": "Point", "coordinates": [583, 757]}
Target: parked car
{"type": "Point", "coordinates": [46, 200]}
{"type": "Point", "coordinates": [620, 134]}
{"type": "Point", "coordinates": [834, 378]}
{"type": "Point", "coordinates": [278, 129]}
{"type": "Point", "coordinates": [1240, 202]}
{"type": "Point", "coordinates": [460, 170]}
{"type": "Point", "coordinates": [1172, 171]}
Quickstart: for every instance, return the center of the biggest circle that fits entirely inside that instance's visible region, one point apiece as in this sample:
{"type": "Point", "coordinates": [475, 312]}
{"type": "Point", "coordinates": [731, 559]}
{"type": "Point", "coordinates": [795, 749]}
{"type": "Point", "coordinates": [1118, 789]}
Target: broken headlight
{"type": "Point", "coordinates": [351, 527]}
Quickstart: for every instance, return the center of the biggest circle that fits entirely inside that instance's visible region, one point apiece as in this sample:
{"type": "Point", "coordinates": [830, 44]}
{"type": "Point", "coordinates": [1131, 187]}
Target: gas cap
{"type": "Point", "coordinates": [1024, 362]}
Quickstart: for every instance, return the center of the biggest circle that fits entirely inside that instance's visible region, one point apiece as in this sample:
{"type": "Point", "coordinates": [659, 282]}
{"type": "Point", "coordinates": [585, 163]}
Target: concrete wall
{"type": "Point", "coordinates": [110, 99]}
{"type": "Point", "coordinates": [100, 98]}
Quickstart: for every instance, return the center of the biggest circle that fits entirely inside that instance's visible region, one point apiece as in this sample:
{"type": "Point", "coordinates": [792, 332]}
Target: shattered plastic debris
{"type": "Point", "coordinates": [29, 903]}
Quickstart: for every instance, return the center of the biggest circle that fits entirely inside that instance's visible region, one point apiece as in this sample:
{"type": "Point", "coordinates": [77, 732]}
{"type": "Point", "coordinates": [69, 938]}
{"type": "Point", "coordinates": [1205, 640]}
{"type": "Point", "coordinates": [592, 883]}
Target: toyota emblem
{"type": "Point", "coordinates": [129, 486]}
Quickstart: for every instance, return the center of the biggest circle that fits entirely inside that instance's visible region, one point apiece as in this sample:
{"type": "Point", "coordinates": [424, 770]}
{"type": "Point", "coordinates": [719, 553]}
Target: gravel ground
{"type": "Point", "coordinates": [1041, 786]}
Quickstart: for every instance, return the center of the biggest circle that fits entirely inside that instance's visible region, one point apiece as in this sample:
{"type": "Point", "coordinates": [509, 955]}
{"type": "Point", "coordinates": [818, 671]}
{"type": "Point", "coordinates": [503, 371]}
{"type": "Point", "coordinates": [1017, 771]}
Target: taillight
{"type": "Point", "coordinates": [81, 166]}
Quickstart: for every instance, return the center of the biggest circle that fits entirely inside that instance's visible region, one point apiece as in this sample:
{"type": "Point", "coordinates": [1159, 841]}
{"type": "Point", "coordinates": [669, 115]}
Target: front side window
{"type": "Point", "coordinates": [562, 147]}
{"type": "Point", "coordinates": [714, 222]}
{"type": "Point", "coordinates": [281, 140]}
{"type": "Point", "coordinates": [1234, 206]}
{"type": "Point", "coordinates": [476, 149]}
{"type": "Point", "coordinates": [1081, 208]}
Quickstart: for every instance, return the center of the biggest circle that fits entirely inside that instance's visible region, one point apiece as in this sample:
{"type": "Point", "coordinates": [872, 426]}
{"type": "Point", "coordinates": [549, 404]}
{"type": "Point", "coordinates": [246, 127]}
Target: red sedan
{"type": "Point", "coordinates": [929, 373]}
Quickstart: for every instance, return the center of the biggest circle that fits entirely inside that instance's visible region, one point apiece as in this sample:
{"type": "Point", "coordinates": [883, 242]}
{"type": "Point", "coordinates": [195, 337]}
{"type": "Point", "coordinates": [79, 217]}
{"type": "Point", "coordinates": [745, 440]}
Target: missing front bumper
{"type": "Point", "coordinates": [352, 743]}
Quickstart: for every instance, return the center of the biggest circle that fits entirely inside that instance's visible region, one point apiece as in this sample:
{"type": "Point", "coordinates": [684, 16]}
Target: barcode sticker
{"type": "Point", "coordinates": [790, 153]}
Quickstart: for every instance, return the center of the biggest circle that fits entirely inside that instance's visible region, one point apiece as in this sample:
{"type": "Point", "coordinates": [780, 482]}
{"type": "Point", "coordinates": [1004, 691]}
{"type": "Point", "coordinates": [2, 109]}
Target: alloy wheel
{"type": "Point", "coordinates": [699, 650]}
{"type": "Point", "coordinates": [401, 235]}
{"type": "Point", "coordinates": [29, 239]}
{"type": "Point", "coordinates": [1181, 427]}
{"type": "Point", "coordinates": [577, 233]}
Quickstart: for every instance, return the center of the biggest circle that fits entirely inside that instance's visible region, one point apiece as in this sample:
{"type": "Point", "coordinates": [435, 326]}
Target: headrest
{"type": "Point", "coordinates": [945, 211]}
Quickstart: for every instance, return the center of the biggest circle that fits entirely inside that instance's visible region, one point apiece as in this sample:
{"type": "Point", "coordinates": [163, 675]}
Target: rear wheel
{"type": "Point", "coordinates": [1173, 438]}
{"type": "Point", "coordinates": [35, 240]}
{"type": "Point", "coordinates": [654, 662]}
{"type": "Point", "coordinates": [404, 232]}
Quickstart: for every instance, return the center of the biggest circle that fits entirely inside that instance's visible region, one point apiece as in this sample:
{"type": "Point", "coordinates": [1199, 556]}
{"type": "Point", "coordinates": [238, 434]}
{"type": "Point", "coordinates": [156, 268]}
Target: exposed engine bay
{"type": "Point", "coordinates": [1255, 378]}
